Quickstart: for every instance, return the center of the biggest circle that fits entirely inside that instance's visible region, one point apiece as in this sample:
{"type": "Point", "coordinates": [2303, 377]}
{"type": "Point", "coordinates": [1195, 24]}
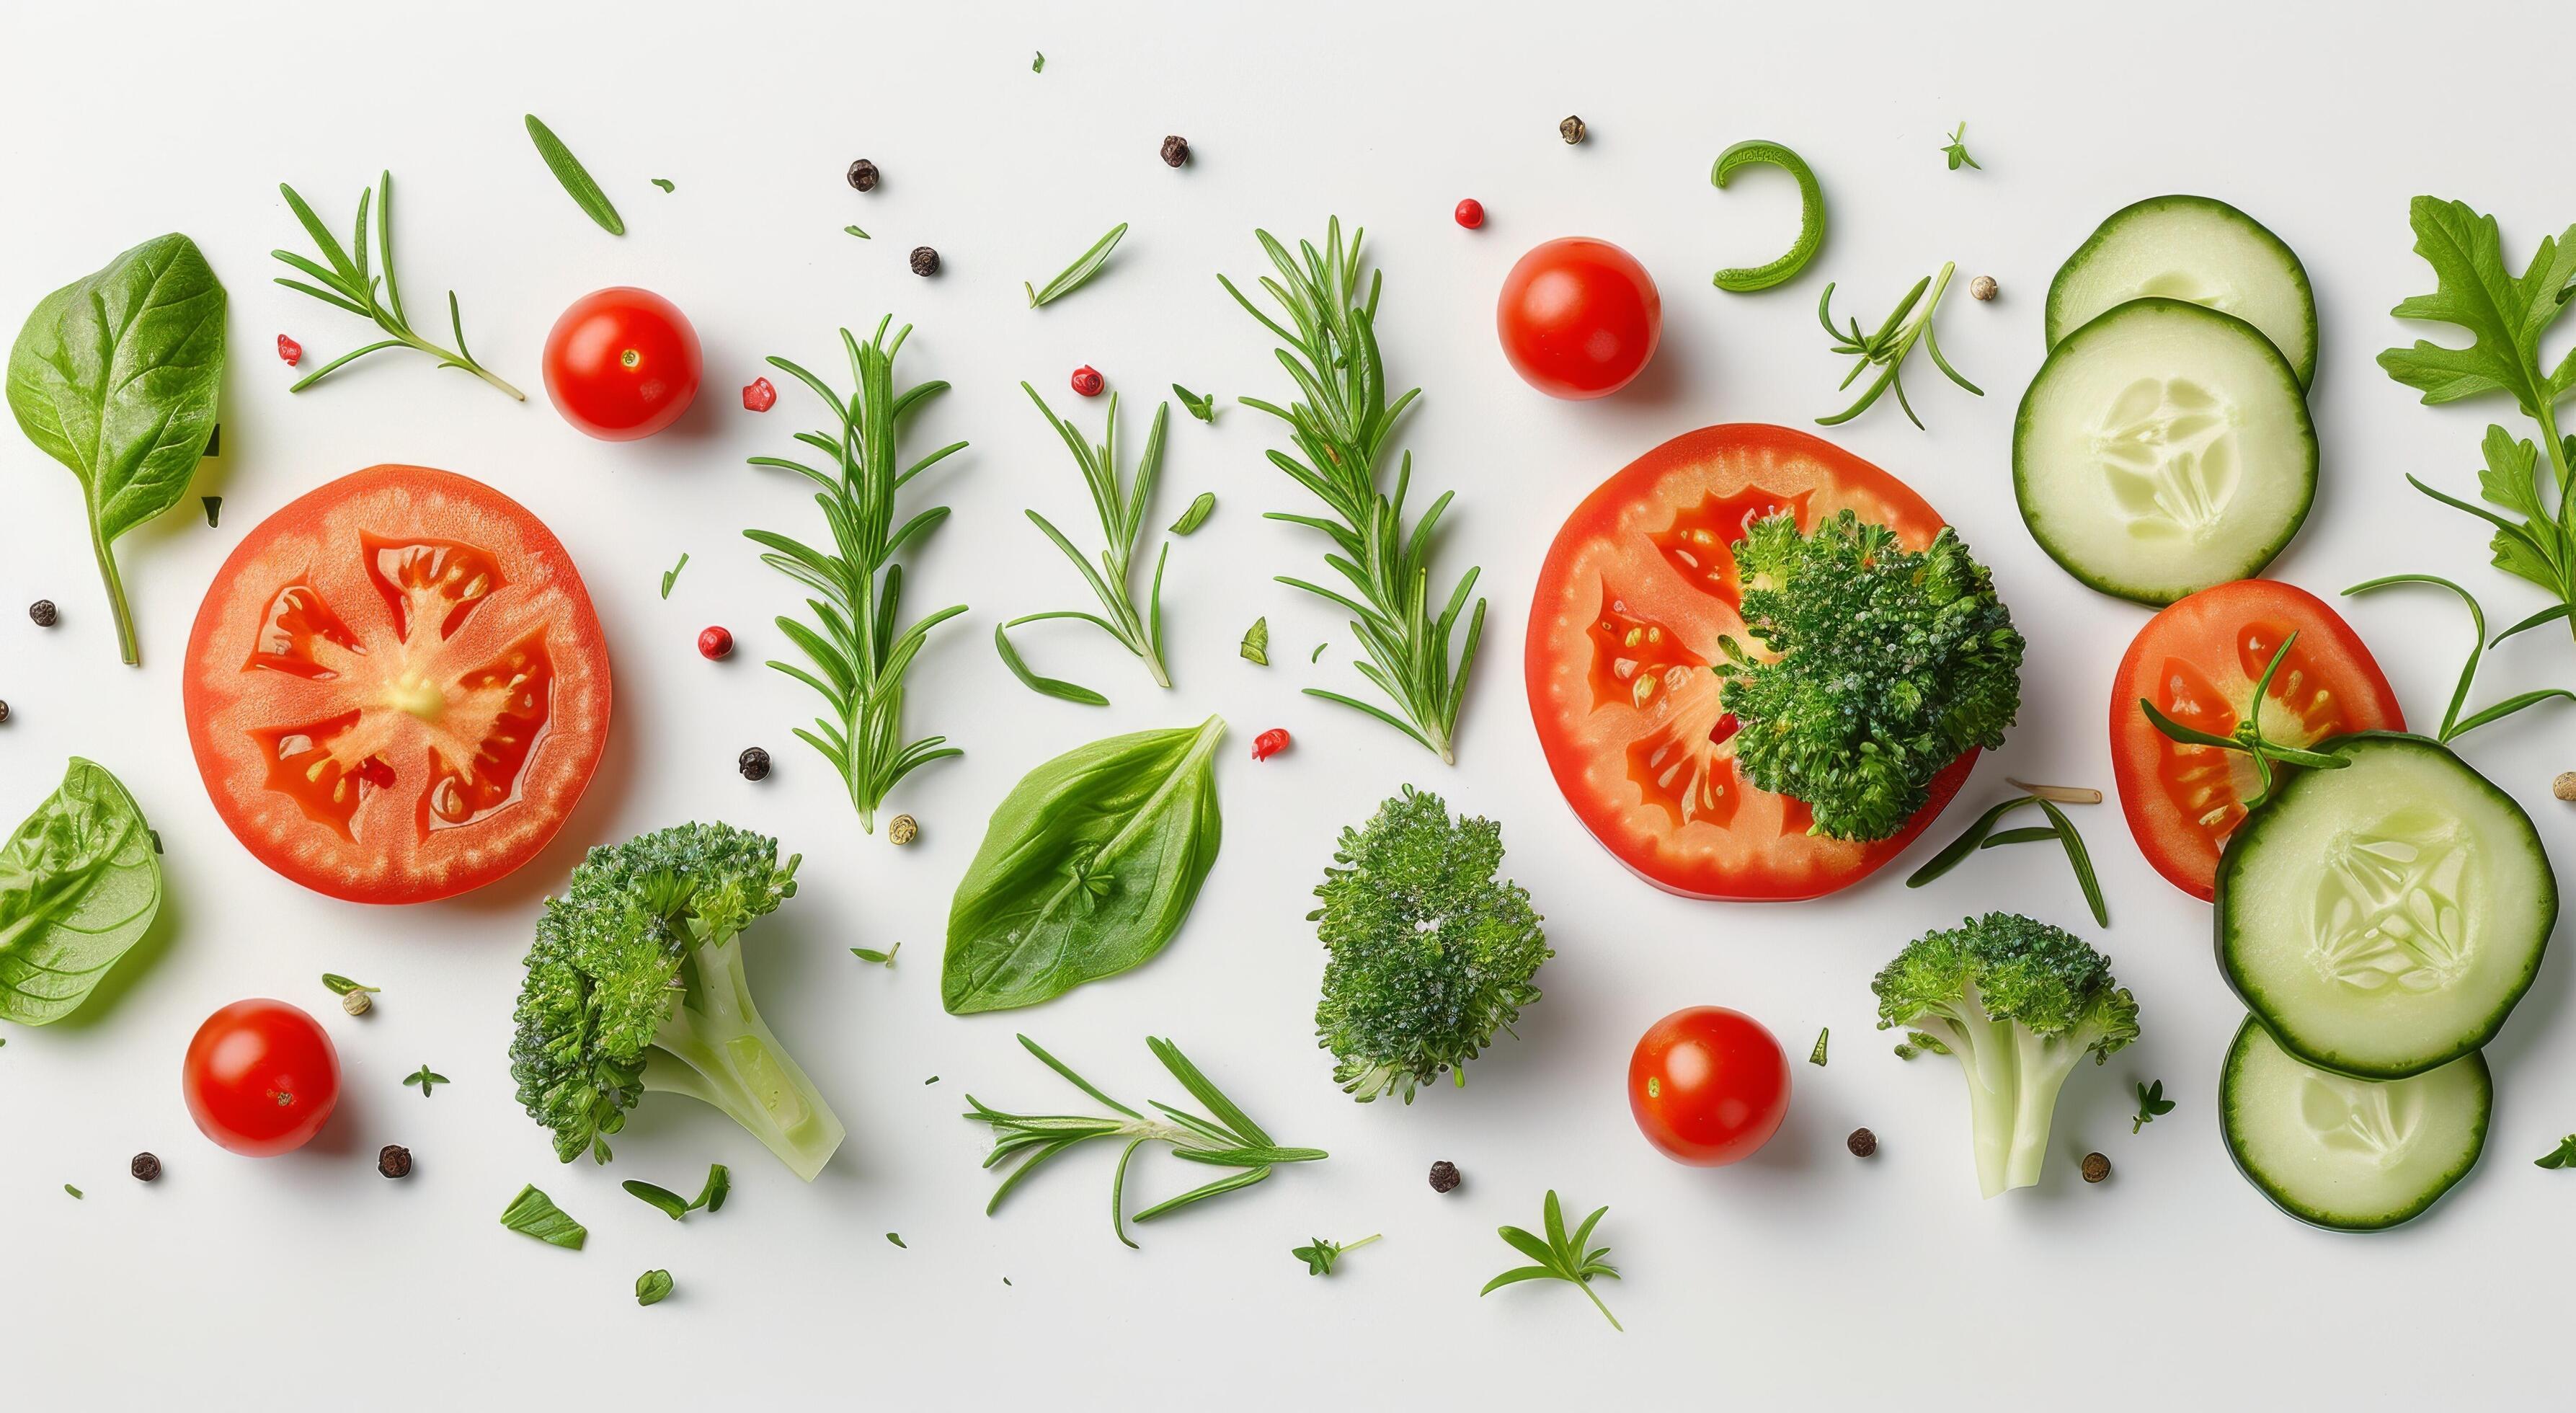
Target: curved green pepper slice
{"type": "Point", "coordinates": [1811, 213]}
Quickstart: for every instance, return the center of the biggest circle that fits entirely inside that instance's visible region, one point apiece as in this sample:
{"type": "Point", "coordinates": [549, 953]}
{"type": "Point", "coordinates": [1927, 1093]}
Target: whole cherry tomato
{"type": "Point", "coordinates": [1579, 318]}
{"type": "Point", "coordinates": [622, 363]}
{"type": "Point", "coordinates": [1708, 1086]}
{"type": "Point", "coordinates": [261, 1078]}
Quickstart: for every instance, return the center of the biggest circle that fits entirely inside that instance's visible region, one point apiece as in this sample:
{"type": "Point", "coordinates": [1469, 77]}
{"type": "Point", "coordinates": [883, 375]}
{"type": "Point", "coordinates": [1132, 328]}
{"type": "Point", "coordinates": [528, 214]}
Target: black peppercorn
{"type": "Point", "coordinates": [1444, 1176]}
{"type": "Point", "coordinates": [2096, 1167]}
{"type": "Point", "coordinates": [753, 763]}
{"type": "Point", "coordinates": [145, 1168]}
{"type": "Point", "coordinates": [1176, 150]}
{"type": "Point", "coordinates": [864, 175]}
{"type": "Point", "coordinates": [42, 610]}
{"type": "Point", "coordinates": [925, 261]}
{"type": "Point", "coordinates": [1862, 1143]}
{"type": "Point", "coordinates": [4, 711]}
{"type": "Point", "coordinates": [394, 1161]}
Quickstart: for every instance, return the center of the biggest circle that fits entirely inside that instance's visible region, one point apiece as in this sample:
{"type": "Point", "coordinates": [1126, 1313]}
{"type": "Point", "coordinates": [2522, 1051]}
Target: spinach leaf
{"type": "Point", "coordinates": [115, 376]}
{"type": "Point", "coordinates": [79, 886]}
{"type": "Point", "coordinates": [1088, 867]}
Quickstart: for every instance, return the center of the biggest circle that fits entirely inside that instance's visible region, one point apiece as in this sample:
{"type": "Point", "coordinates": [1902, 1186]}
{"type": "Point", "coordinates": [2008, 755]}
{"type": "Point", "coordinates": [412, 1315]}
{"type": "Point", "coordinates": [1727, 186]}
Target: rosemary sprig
{"type": "Point", "coordinates": [1079, 273]}
{"type": "Point", "coordinates": [1230, 1140]}
{"type": "Point", "coordinates": [1121, 508]}
{"type": "Point", "coordinates": [1560, 1257]}
{"type": "Point", "coordinates": [350, 284]}
{"type": "Point", "coordinates": [2452, 725]}
{"type": "Point", "coordinates": [576, 178]}
{"type": "Point", "coordinates": [2248, 735]}
{"type": "Point", "coordinates": [1886, 349]}
{"type": "Point", "coordinates": [853, 644]}
{"type": "Point", "coordinates": [1982, 835]}
{"type": "Point", "coordinates": [1341, 425]}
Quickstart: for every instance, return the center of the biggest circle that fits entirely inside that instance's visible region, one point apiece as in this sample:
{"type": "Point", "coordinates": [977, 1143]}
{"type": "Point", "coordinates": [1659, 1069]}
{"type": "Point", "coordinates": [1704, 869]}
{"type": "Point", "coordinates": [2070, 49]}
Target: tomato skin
{"type": "Point", "coordinates": [622, 363]}
{"type": "Point", "coordinates": [1708, 1086]}
{"type": "Point", "coordinates": [2207, 649]}
{"type": "Point", "coordinates": [261, 1078]}
{"type": "Point", "coordinates": [1579, 317]}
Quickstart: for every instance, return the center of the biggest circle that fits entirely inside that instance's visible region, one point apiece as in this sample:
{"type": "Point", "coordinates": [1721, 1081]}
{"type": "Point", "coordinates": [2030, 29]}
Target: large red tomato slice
{"type": "Point", "coordinates": [397, 688]}
{"type": "Point", "coordinates": [2198, 660]}
{"type": "Point", "coordinates": [1635, 594]}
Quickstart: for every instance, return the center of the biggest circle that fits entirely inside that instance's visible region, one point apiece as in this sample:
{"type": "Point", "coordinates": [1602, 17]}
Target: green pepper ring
{"type": "Point", "coordinates": [1811, 213]}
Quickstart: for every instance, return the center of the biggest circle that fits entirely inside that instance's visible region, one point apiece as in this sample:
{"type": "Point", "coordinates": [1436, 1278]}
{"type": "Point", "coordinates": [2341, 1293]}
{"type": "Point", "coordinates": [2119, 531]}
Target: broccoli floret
{"type": "Point", "coordinates": [1431, 954]}
{"type": "Point", "coordinates": [2018, 1003]}
{"type": "Point", "coordinates": [636, 986]}
{"type": "Point", "coordinates": [1878, 666]}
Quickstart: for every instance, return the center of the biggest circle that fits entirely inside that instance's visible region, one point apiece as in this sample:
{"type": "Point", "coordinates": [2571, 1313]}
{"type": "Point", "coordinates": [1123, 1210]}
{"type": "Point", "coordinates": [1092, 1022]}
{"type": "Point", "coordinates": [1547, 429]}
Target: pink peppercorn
{"type": "Point", "coordinates": [715, 643]}
{"type": "Point", "coordinates": [1471, 213]}
{"type": "Point", "coordinates": [759, 396]}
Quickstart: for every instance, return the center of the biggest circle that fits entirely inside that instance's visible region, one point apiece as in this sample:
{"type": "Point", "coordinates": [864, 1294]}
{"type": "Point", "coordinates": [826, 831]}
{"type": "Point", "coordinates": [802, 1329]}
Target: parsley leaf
{"type": "Point", "coordinates": [1957, 150]}
{"type": "Point", "coordinates": [2152, 1104]}
{"type": "Point", "coordinates": [1320, 1256]}
{"type": "Point", "coordinates": [2562, 1156]}
{"type": "Point", "coordinates": [424, 1078]}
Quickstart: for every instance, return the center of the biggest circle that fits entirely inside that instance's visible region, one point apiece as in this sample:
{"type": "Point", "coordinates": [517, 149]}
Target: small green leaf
{"type": "Point", "coordinates": [1080, 272]}
{"type": "Point", "coordinates": [896, 1238]}
{"type": "Point", "coordinates": [871, 954]}
{"type": "Point", "coordinates": [1817, 1055]}
{"type": "Point", "coordinates": [577, 184]}
{"type": "Point", "coordinates": [342, 986]}
{"type": "Point", "coordinates": [1036, 681]}
{"type": "Point", "coordinates": [672, 575]}
{"type": "Point", "coordinates": [671, 1204]}
{"type": "Point", "coordinates": [853, 230]}
{"type": "Point", "coordinates": [1203, 408]}
{"type": "Point", "coordinates": [1957, 150]}
{"type": "Point", "coordinates": [2564, 1155]}
{"type": "Point", "coordinates": [2151, 1104]}
{"type": "Point", "coordinates": [719, 1185]}
{"type": "Point", "coordinates": [532, 1213]}
{"type": "Point", "coordinates": [424, 1078]}
{"type": "Point", "coordinates": [1256, 642]}
{"type": "Point", "coordinates": [1318, 654]}
{"type": "Point", "coordinates": [651, 1287]}
{"type": "Point", "coordinates": [665, 184]}
{"type": "Point", "coordinates": [74, 1191]}
{"type": "Point", "coordinates": [1197, 514]}
{"type": "Point", "coordinates": [1037, 66]}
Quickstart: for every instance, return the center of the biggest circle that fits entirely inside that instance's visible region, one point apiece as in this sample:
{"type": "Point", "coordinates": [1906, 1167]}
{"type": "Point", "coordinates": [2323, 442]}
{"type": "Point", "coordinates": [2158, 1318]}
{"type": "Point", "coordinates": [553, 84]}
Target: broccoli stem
{"type": "Point", "coordinates": [716, 1048]}
{"type": "Point", "coordinates": [2014, 1077]}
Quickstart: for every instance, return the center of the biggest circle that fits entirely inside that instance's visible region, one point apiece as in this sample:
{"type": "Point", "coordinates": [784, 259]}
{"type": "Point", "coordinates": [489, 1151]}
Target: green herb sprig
{"type": "Point", "coordinates": [1341, 423]}
{"type": "Point", "coordinates": [1077, 274]}
{"type": "Point", "coordinates": [1121, 506]}
{"type": "Point", "coordinates": [2562, 1156]}
{"type": "Point", "coordinates": [671, 575]}
{"type": "Point", "coordinates": [351, 284]}
{"type": "Point", "coordinates": [2152, 1105]}
{"type": "Point", "coordinates": [423, 1077]}
{"type": "Point", "coordinates": [1203, 407]}
{"type": "Point", "coordinates": [1320, 1254]}
{"type": "Point", "coordinates": [576, 179]}
{"type": "Point", "coordinates": [874, 957]}
{"type": "Point", "coordinates": [1957, 148]}
{"type": "Point", "coordinates": [1982, 835]}
{"type": "Point", "coordinates": [2248, 736]}
{"type": "Point", "coordinates": [857, 653]}
{"type": "Point", "coordinates": [1886, 349]}
{"type": "Point", "coordinates": [711, 1197]}
{"type": "Point", "coordinates": [1230, 1140]}
{"type": "Point", "coordinates": [1560, 1257]}
{"type": "Point", "coordinates": [2453, 726]}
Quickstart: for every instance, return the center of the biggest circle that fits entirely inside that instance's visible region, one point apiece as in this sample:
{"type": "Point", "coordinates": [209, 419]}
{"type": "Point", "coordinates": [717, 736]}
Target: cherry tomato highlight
{"type": "Point", "coordinates": [1579, 318]}
{"type": "Point", "coordinates": [1708, 1086]}
{"type": "Point", "coordinates": [622, 363]}
{"type": "Point", "coordinates": [1471, 213]}
{"type": "Point", "coordinates": [261, 1078]}
{"type": "Point", "coordinates": [759, 395]}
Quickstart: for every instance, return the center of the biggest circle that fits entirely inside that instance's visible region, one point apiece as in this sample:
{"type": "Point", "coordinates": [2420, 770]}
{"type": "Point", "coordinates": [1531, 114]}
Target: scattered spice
{"type": "Point", "coordinates": [758, 395]}
{"type": "Point", "coordinates": [2564, 787]}
{"type": "Point", "coordinates": [1862, 1143]}
{"type": "Point", "coordinates": [1982, 287]}
{"type": "Point", "coordinates": [715, 643]}
{"type": "Point", "coordinates": [1470, 213]}
{"type": "Point", "coordinates": [44, 613]}
{"type": "Point", "coordinates": [214, 509]}
{"type": "Point", "coordinates": [753, 763]}
{"type": "Point", "coordinates": [423, 1077]}
{"type": "Point", "coordinates": [652, 1287]}
{"type": "Point", "coordinates": [1571, 130]}
{"type": "Point", "coordinates": [394, 1161]}
{"type": "Point", "coordinates": [903, 830]}
{"type": "Point", "coordinates": [145, 1168]}
{"type": "Point", "coordinates": [356, 1002]}
{"type": "Point", "coordinates": [1087, 381]}
{"type": "Point", "coordinates": [289, 350]}
{"type": "Point", "coordinates": [1176, 151]}
{"type": "Point", "coordinates": [925, 261]}
{"type": "Point", "coordinates": [1444, 1176]}
{"type": "Point", "coordinates": [2096, 1167]}
{"type": "Point", "coordinates": [4, 712]}
{"type": "Point", "coordinates": [864, 175]}
{"type": "Point", "coordinates": [1269, 743]}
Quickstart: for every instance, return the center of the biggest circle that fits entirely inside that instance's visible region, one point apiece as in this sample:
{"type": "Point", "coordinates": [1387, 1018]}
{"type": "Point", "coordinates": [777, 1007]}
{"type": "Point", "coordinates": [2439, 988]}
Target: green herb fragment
{"type": "Point", "coordinates": [719, 1185]}
{"type": "Point", "coordinates": [2452, 724]}
{"type": "Point", "coordinates": [1256, 642]}
{"type": "Point", "coordinates": [1817, 1055]}
{"type": "Point", "coordinates": [1229, 1140]}
{"type": "Point", "coordinates": [74, 1191]}
{"type": "Point", "coordinates": [651, 1287]}
{"type": "Point", "coordinates": [665, 184]}
{"type": "Point", "coordinates": [1981, 835]}
{"type": "Point", "coordinates": [352, 284]}
{"type": "Point", "coordinates": [79, 887]}
{"type": "Point", "coordinates": [1079, 273]}
{"type": "Point", "coordinates": [1192, 518]}
{"type": "Point", "coordinates": [871, 954]}
{"type": "Point", "coordinates": [1886, 349]}
{"type": "Point", "coordinates": [1341, 428]}
{"type": "Point", "coordinates": [1203, 408]}
{"type": "Point", "coordinates": [532, 1213]}
{"type": "Point", "coordinates": [896, 1238]}
{"type": "Point", "coordinates": [2248, 736]}
{"type": "Point", "coordinates": [424, 1079]}
{"type": "Point", "coordinates": [1036, 66]}
{"type": "Point", "coordinates": [853, 230]}
{"type": "Point", "coordinates": [577, 184]}
{"type": "Point", "coordinates": [857, 649]}
{"type": "Point", "coordinates": [2562, 1156]}
{"type": "Point", "coordinates": [1560, 1257]}
{"type": "Point", "coordinates": [934, 1079]}
{"type": "Point", "coordinates": [1957, 148]}
{"type": "Point", "coordinates": [671, 575]}
{"type": "Point", "coordinates": [1321, 1254]}
{"type": "Point", "coordinates": [214, 509]}
{"type": "Point", "coordinates": [339, 985]}
{"type": "Point", "coordinates": [670, 1204]}
{"type": "Point", "coordinates": [1318, 654]}
{"type": "Point", "coordinates": [1905, 1051]}
{"type": "Point", "coordinates": [2152, 1105]}
{"type": "Point", "coordinates": [1120, 506]}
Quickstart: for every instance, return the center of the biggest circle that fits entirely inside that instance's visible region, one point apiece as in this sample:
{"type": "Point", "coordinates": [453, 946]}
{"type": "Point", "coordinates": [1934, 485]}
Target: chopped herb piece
{"type": "Point", "coordinates": [1079, 273]}
{"type": "Point", "coordinates": [1256, 642]}
{"type": "Point", "coordinates": [896, 1238]}
{"type": "Point", "coordinates": [1320, 1256]}
{"type": "Point", "coordinates": [853, 230]}
{"type": "Point", "coordinates": [1197, 514]}
{"type": "Point", "coordinates": [341, 986]}
{"type": "Point", "coordinates": [2152, 1104]}
{"type": "Point", "coordinates": [1817, 1055]}
{"type": "Point", "coordinates": [934, 1079]}
{"type": "Point", "coordinates": [424, 1078]}
{"type": "Point", "coordinates": [719, 1186]}
{"type": "Point", "coordinates": [671, 575]}
{"type": "Point", "coordinates": [577, 184]}
{"type": "Point", "coordinates": [2562, 1156]}
{"type": "Point", "coordinates": [74, 1191]}
{"type": "Point", "coordinates": [669, 1203]}
{"type": "Point", "coordinates": [1957, 148]}
{"type": "Point", "coordinates": [871, 954]}
{"type": "Point", "coordinates": [532, 1213]}
{"type": "Point", "coordinates": [1203, 408]}
{"type": "Point", "coordinates": [651, 1287]}
{"type": "Point", "coordinates": [664, 183]}
{"type": "Point", "coordinates": [1318, 654]}
{"type": "Point", "coordinates": [214, 509]}
{"type": "Point", "coordinates": [1036, 66]}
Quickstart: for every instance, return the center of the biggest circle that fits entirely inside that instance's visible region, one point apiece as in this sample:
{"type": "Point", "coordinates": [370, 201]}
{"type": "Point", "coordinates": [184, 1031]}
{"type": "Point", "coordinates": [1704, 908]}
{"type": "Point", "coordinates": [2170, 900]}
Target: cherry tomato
{"type": "Point", "coordinates": [1708, 1086]}
{"type": "Point", "coordinates": [622, 363]}
{"type": "Point", "coordinates": [261, 1078]}
{"type": "Point", "coordinates": [1579, 318]}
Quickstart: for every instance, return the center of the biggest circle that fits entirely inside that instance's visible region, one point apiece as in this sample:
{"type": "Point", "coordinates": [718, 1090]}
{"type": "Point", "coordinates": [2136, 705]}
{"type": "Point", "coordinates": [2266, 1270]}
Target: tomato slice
{"type": "Point", "coordinates": [397, 688]}
{"type": "Point", "coordinates": [2198, 660]}
{"type": "Point", "coordinates": [1635, 594]}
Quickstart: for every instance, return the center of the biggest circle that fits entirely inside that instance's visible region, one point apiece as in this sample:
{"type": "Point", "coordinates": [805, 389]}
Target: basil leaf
{"type": "Point", "coordinates": [79, 886]}
{"type": "Point", "coordinates": [116, 376]}
{"type": "Point", "coordinates": [1088, 868]}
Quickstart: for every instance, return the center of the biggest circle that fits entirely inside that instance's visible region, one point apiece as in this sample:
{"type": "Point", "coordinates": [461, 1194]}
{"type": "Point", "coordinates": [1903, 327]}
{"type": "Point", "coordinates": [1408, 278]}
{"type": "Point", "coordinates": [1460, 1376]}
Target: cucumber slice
{"type": "Point", "coordinates": [2350, 1154]}
{"type": "Point", "coordinates": [2383, 919]}
{"type": "Point", "coordinates": [2196, 249]}
{"type": "Point", "coordinates": [2162, 449]}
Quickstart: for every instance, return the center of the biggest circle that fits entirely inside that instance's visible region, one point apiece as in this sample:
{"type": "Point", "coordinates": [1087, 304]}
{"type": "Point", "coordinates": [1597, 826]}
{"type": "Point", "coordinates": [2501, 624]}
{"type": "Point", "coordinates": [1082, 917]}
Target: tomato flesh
{"type": "Point", "coordinates": [1625, 623]}
{"type": "Point", "coordinates": [1708, 1086]}
{"type": "Point", "coordinates": [261, 1078]}
{"type": "Point", "coordinates": [397, 688]}
{"type": "Point", "coordinates": [1579, 318]}
{"type": "Point", "coordinates": [2198, 660]}
{"type": "Point", "coordinates": [622, 363]}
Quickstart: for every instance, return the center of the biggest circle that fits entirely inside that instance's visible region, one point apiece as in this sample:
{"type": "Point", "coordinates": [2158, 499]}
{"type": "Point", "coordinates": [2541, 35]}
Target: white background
{"type": "Point", "coordinates": [1800, 1278]}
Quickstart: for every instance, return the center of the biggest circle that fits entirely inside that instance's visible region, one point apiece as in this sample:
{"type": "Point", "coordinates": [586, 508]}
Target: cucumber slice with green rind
{"type": "Point", "coordinates": [2164, 448]}
{"type": "Point", "coordinates": [2197, 249]}
{"type": "Point", "coordinates": [2350, 1154]}
{"type": "Point", "coordinates": [2383, 919]}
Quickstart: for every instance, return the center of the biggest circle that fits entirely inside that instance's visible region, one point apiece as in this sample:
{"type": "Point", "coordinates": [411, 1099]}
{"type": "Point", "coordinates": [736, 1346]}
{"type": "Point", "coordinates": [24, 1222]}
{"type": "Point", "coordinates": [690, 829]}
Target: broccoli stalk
{"type": "Point", "coordinates": [2018, 1003]}
{"type": "Point", "coordinates": [636, 985]}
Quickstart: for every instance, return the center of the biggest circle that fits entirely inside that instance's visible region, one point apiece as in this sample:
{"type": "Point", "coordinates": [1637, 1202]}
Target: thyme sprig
{"type": "Point", "coordinates": [1560, 1257]}
{"type": "Point", "coordinates": [1342, 423]}
{"type": "Point", "coordinates": [2453, 726]}
{"type": "Point", "coordinates": [1886, 349]}
{"type": "Point", "coordinates": [351, 284]}
{"type": "Point", "coordinates": [858, 655]}
{"type": "Point", "coordinates": [1982, 835]}
{"type": "Point", "coordinates": [1121, 507]}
